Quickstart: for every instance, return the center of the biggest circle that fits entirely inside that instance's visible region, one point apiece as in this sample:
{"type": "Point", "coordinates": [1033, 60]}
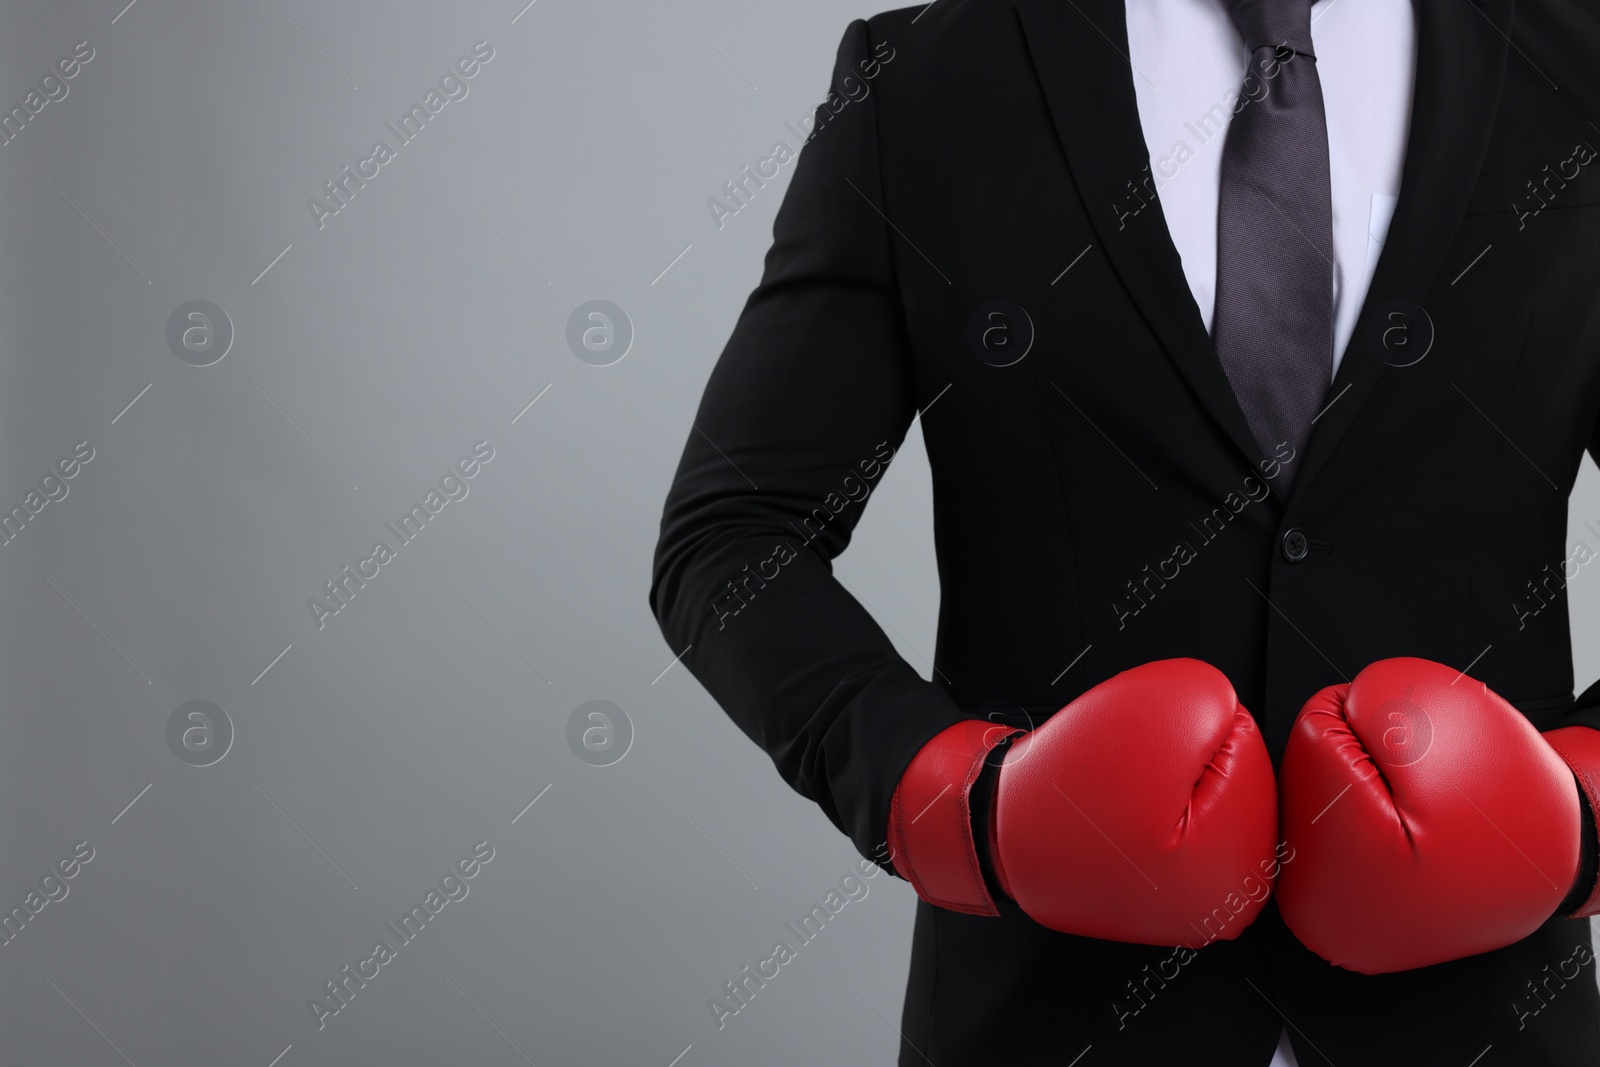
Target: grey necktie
{"type": "Point", "coordinates": [1273, 326]}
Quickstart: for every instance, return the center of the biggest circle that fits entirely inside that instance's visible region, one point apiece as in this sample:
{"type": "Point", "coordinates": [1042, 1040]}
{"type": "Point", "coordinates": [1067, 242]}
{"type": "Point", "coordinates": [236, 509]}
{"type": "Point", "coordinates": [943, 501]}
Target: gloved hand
{"type": "Point", "coordinates": [1144, 811]}
{"type": "Point", "coordinates": [1430, 820]}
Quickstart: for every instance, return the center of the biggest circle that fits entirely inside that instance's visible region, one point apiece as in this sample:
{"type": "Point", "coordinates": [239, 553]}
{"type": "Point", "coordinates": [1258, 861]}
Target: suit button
{"type": "Point", "coordinates": [1295, 545]}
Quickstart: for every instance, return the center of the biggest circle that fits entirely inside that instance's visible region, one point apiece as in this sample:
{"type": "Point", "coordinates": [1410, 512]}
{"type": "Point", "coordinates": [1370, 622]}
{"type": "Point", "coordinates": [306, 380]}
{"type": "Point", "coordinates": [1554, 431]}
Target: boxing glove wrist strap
{"type": "Point", "coordinates": [931, 839]}
{"type": "Point", "coordinates": [1579, 746]}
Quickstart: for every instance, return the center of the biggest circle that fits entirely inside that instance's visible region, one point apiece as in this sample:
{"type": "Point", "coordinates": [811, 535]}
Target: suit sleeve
{"type": "Point", "coordinates": [1585, 710]}
{"type": "Point", "coordinates": [808, 401]}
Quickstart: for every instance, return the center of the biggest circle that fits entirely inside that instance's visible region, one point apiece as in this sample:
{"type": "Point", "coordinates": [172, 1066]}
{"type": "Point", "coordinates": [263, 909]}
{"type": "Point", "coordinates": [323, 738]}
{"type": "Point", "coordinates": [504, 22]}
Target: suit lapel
{"type": "Point", "coordinates": [1461, 58]}
{"type": "Point", "coordinates": [1080, 53]}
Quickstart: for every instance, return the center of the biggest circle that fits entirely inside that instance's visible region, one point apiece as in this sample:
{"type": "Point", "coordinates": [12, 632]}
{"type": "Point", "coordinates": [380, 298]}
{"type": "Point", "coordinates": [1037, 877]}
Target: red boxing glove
{"type": "Point", "coordinates": [1430, 821]}
{"type": "Point", "coordinates": [1144, 811]}
{"type": "Point", "coordinates": [1579, 747]}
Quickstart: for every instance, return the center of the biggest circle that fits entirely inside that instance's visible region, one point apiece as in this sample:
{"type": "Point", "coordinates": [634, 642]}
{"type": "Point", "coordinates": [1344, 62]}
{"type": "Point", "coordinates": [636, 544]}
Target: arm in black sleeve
{"type": "Point", "coordinates": [807, 403]}
{"type": "Point", "coordinates": [1585, 711]}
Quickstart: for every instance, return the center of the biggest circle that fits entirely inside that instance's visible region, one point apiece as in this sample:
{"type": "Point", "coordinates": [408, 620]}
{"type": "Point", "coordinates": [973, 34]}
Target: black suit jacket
{"type": "Point", "coordinates": [977, 190]}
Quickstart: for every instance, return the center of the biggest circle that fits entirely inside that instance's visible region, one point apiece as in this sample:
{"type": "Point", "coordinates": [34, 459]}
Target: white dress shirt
{"type": "Point", "coordinates": [1189, 65]}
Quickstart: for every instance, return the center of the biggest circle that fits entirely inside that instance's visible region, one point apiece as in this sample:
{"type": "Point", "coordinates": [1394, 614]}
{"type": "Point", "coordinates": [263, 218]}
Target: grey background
{"type": "Point", "coordinates": [373, 753]}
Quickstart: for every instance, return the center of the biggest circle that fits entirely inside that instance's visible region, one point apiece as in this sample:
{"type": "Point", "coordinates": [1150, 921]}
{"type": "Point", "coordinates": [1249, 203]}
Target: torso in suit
{"type": "Point", "coordinates": [971, 234]}
{"type": "Point", "coordinates": [1189, 62]}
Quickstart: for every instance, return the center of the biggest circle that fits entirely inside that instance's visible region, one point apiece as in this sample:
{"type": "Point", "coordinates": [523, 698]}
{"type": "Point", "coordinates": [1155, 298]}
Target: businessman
{"type": "Point", "coordinates": [1256, 348]}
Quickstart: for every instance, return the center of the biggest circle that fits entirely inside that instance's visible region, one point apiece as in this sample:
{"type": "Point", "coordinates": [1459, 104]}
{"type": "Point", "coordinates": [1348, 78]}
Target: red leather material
{"type": "Point", "coordinates": [930, 818]}
{"type": "Point", "coordinates": [1579, 746]}
{"type": "Point", "coordinates": [1429, 819]}
{"type": "Point", "coordinates": [1144, 811]}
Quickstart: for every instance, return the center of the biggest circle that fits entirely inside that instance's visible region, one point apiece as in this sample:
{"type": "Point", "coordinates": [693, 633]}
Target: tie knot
{"type": "Point", "coordinates": [1270, 23]}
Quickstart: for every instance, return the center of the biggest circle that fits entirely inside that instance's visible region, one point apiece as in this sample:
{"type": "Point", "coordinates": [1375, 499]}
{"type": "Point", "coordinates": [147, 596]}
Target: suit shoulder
{"type": "Point", "coordinates": [942, 22]}
{"type": "Point", "coordinates": [947, 39]}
